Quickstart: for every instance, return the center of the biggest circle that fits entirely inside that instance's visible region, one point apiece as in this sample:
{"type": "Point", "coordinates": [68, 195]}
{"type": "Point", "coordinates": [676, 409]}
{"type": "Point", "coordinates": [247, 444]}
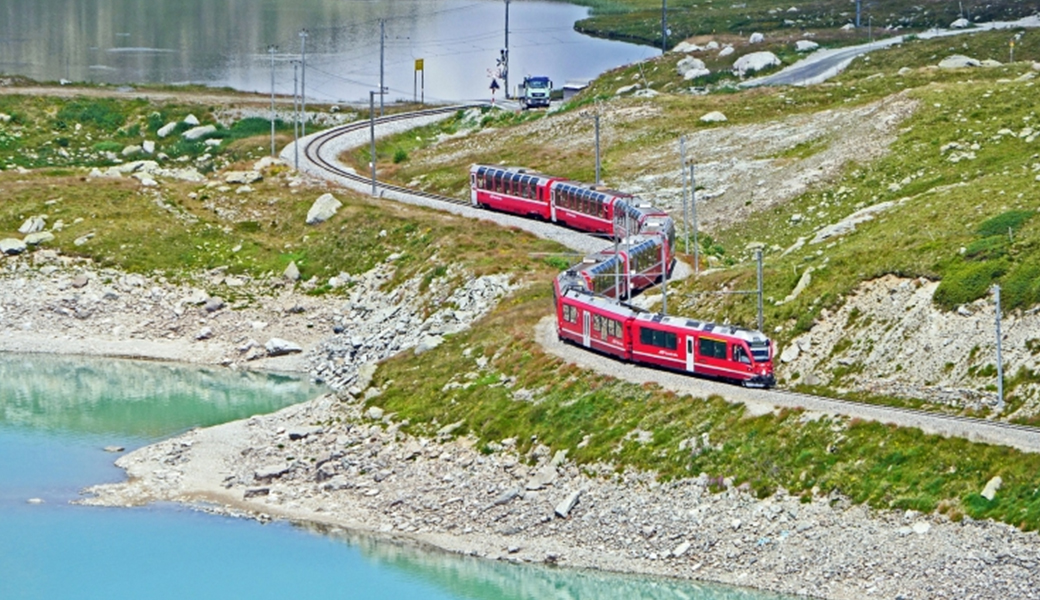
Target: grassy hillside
{"type": "Point", "coordinates": [640, 20]}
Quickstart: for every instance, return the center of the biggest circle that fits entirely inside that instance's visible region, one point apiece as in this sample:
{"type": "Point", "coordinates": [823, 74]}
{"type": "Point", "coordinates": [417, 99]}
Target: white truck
{"type": "Point", "coordinates": [535, 92]}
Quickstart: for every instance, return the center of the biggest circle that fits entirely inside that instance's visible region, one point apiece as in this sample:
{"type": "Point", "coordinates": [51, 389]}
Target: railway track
{"type": "Point", "coordinates": [318, 148]}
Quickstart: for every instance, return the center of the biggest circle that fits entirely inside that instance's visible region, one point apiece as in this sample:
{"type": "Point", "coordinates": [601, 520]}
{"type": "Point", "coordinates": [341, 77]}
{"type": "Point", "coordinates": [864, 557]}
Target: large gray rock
{"type": "Point", "coordinates": [280, 347]}
{"type": "Point", "coordinates": [191, 120]}
{"type": "Point", "coordinates": [990, 491]}
{"type": "Point", "coordinates": [805, 45]}
{"type": "Point", "coordinates": [959, 61]}
{"type": "Point", "coordinates": [542, 478]}
{"type": "Point", "coordinates": [11, 246]}
{"type": "Point", "coordinates": [292, 272]}
{"type": "Point", "coordinates": [40, 237]}
{"type": "Point", "coordinates": [756, 38]}
{"type": "Point", "coordinates": [242, 177]}
{"type": "Point", "coordinates": [271, 471]}
{"type": "Point", "coordinates": [33, 224]}
{"type": "Point", "coordinates": [756, 61]}
{"type": "Point", "coordinates": [567, 504]}
{"type": "Point", "coordinates": [691, 68]}
{"type": "Point", "coordinates": [960, 23]}
{"type": "Point", "coordinates": [197, 133]}
{"type": "Point", "coordinates": [323, 209]}
{"type": "Point", "coordinates": [713, 117]}
{"type": "Point", "coordinates": [166, 130]}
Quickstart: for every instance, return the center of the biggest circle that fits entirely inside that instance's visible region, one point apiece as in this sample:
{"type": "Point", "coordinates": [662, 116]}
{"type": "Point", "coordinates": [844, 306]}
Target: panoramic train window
{"type": "Point", "coordinates": [711, 348]}
{"type": "Point", "coordinates": [614, 328]}
{"type": "Point", "coordinates": [658, 338]}
{"type": "Point", "coordinates": [570, 314]}
{"type": "Point", "coordinates": [740, 355]}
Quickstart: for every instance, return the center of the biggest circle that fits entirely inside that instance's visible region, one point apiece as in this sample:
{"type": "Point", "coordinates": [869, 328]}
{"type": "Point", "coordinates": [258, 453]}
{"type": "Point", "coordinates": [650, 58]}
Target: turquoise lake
{"type": "Point", "coordinates": [56, 416]}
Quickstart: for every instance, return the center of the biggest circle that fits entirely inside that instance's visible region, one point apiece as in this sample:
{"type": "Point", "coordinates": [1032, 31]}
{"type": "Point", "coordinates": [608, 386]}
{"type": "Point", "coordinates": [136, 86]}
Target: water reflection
{"type": "Point", "coordinates": [224, 42]}
{"type": "Point", "coordinates": [134, 398]}
{"type": "Point", "coordinates": [479, 579]}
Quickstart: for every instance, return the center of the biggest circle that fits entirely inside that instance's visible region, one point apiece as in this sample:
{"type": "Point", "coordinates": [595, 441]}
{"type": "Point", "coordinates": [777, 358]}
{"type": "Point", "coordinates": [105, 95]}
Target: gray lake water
{"type": "Point", "coordinates": [56, 415]}
{"type": "Point", "coordinates": [225, 43]}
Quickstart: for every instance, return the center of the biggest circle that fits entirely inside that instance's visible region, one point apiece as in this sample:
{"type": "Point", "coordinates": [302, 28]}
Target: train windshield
{"type": "Point", "coordinates": [760, 351]}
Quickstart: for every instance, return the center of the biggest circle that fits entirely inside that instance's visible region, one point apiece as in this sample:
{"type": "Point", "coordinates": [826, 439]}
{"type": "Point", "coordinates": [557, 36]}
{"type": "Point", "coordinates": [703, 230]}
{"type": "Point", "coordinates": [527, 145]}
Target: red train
{"type": "Point", "coordinates": [589, 311]}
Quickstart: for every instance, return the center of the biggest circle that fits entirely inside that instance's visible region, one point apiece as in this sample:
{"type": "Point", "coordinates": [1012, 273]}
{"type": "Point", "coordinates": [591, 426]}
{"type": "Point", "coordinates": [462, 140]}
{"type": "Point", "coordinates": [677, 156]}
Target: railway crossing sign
{"type": "Point", "coordinates": [494, 85]}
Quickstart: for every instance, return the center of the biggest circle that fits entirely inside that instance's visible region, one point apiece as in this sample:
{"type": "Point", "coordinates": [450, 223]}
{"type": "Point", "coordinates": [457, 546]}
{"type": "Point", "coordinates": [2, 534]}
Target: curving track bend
{"type": "Point", "coordinates": [318, 157]}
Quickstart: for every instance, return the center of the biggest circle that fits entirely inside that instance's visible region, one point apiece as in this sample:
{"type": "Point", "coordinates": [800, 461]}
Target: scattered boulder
{"type": "Point", "coordinates": [567, 504]}
{"type": "Point", "coordinates": [680, 549]}
{"type": "Point", "coordinates": [242, 177]}
{"type": "Point", "coordinates": [191, 120]}
{"type": "Point", "coordinates": [271, 471]}
{"type": "Point", "coordinates": [375, 413]}
{"type": "Point", "coordinates": [627, 89]}
{"type": "Point", "coordinates": [428, 343]}
{"type": "Point", "coordinates": [300, 433]}
{"type": "Point", "coordinates": [323, 209]}
{"type": "Point", "coordinates": [990, 491]}
{"type": "Point", "coordinates": [691, 68]}
{"type": "Point", "coordinates": [114, 448]}
{"type": "Point", "coordinates": [805, 45]}
{"type": "Point", "coordinates": [83, 239]}
{"type": "Point", "coordinates": [756, 38]}
{"type": "Point", "coordinates": [166, 130]}
{"type": "Point", "coordinates": [41, 237]}
{"type": "Point", "coordinates": [292, 272]}
{"type": "Point", "coordinates": [685, 46]}
{"type": "Point", "coordinates": [542, 478]}
{"type": "Point", "coordinates": [726, 51]}
{"type": "Point", "coordinates": [132, 150]}
{"type": "Point", "coordinates": [756, 61]}
{"type": "Point", "coordinates": [33, 224]}
{"type": "Point", "coordinates": [790, 353]}
{"type": "Point", "coordinates": [80, 281]}
{"type": "Point", "coordinates": [712, 45]}
{"type": "Point", "coordinates": [960, 23]}
{"type": "Point", "coordinates": [214, 304]}
{"type": "Point", "coordinates": [280, 347]}
{"type": "Point", "coordinates": [713, 117]}
{"type": "Point", "coordinates": [204, 334]}
{"type": "Point", "coordinates": [847, 27]}
{"type": "Point", "coordinates": [197, 133]}
{"type": "Point", "coordinates": [148, 146]}
{"type": "Point", "coordinates": [959, 61]}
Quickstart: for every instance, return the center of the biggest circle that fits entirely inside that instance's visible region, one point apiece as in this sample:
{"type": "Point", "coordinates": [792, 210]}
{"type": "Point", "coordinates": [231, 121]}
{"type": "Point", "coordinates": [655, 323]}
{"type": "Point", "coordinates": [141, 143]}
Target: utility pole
{"type": "Point", "coordinates": [758, 259]}
{"type": "Point", "coordinates": [859, 6]}
{"type": "Point", "coordinates": [271, 50]}
{"type": "Point", "coordinates": [682, 175]}
{"type": "Point", "coordinates": [664, 274]}
{"type": "Point", "coordinates": [505, 56]}
{"type": "Point", "coordinates": [595, 118]}
{"type": "Point", "coordinates": [382, 44]}
{"type": "Point", "coordinates": [296, 115]}
{"type": "Point", "coordinates": [372, 131]}
{"type": "Point", "coordinates": [303, 82]}
{"type": "Point", "coordinates": [664, 26]}
{"type": "Point", "coordinates": [1000, 361]}
{"type": "Point", "coordinates": [693, 214]}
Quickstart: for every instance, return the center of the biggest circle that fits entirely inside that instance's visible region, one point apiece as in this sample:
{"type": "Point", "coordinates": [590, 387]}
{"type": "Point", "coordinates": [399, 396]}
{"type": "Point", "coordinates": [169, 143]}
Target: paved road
{"type": "Point", "coordinates": [824, 64]}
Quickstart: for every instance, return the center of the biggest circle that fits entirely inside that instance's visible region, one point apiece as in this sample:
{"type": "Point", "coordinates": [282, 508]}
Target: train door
{"type": "Point", "coordinates": [586, 330]}
{"type": "Point", "coordinates": [690, 363]}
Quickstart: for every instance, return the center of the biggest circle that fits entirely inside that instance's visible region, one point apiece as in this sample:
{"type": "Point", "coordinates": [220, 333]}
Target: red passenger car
{"type": "Point", "coordinates": [511, 190]}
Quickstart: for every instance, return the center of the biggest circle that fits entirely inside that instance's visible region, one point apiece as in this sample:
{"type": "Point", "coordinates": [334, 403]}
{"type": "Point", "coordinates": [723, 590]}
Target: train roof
{"type": "Point", "coordinates": [748, 335]}
{"type": "Point", "coordinates": [603, 303]}
{"type": "Point", "coordinates": [511, 171]}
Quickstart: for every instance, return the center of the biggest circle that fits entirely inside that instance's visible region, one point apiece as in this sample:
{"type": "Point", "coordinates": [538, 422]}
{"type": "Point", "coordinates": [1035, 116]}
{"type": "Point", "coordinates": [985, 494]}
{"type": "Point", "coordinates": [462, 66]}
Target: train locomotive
{"type": "Point", "coordinates": [591, 310]}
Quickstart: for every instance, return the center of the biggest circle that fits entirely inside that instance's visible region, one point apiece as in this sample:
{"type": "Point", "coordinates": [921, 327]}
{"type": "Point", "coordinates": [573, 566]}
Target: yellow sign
{"type": "Point", "coordinates": [418, 64]}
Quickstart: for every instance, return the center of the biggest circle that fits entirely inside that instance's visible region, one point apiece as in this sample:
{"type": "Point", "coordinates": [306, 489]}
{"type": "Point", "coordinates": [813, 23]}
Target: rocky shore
{"type": "Point", "coordinates": [330, 461]}
{"type": "Point", "coordinates": [334, 462]}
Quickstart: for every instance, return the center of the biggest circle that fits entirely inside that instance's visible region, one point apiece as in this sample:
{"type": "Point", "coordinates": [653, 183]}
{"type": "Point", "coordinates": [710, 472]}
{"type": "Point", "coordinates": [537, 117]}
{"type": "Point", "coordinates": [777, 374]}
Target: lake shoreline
{"type": "Point", "coordinates": [334, 462]}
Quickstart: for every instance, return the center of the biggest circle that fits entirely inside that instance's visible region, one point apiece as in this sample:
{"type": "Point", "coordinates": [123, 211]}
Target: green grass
{"type": "Point", "coordinates": [594, 417]}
